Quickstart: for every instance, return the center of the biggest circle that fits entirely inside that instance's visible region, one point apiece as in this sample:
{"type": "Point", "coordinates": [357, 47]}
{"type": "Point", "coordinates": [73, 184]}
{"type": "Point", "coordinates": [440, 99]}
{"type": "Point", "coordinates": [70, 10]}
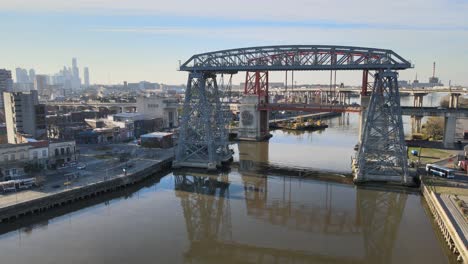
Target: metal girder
{"type": "Point", "coordinates": [203, 139]}
{"type": "Point", "coordinates": [382, 155]}
{"type": "Point", "coordinates": [256, 83]}
{"type": "Point", "coordinates": [296, 57]}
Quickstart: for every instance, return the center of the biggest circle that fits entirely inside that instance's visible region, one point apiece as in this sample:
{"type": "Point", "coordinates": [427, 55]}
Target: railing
{"type": "Point", "coordinates": [311, 107]}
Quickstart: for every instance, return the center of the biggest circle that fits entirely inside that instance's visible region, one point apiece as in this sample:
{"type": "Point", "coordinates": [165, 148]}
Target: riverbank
{"type": "Point", "coordinates": [450, 220]}
{"type": "Point", "coordinates": [426, 155]}
{"type": "Point", "coordinates": [35, 201]}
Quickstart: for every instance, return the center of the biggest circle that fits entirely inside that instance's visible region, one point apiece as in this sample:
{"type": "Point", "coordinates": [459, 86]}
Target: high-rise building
{"type": "Point", "coordinates": [40, 83]}
{"type": "Point", "coordinates": [86, 76]}
{"type": "Point", "coordinates": [22, 76]}
{"type": "Point", "coordinates": [6, 84]}
{"type": "Point", "coordinates": [76, 71]}
{"type": "Point", "coordinates": [76, 81]}
{"type": "Point", "coordinates": [24, 116]}
{"type": "Point", "coordinates": [32, 75]}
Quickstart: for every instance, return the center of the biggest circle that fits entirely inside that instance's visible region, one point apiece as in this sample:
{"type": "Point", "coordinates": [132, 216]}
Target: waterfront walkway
{"type": "Point", "coordinates": [451, 221]}
{"type": "Point", "coordinates": [96, 172]}
{"type": "Point", "coordinates": [455, 215]}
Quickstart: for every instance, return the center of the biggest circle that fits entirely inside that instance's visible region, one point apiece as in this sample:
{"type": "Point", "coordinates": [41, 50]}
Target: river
{"type": "Point", "coordinates": [270, 207]}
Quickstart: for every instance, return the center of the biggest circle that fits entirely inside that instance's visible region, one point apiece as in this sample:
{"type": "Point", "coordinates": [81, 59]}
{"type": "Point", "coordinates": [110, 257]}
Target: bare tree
{"type": "Point", "coordinates": [434, 128]}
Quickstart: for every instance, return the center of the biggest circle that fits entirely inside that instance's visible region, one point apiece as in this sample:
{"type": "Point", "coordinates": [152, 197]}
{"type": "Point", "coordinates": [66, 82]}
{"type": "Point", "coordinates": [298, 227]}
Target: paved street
{"type": "Point", "coordinates": [101, 165]}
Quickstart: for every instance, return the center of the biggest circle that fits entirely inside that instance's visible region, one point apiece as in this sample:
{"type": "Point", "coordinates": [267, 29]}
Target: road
{"type": "Point", "coordinates": [96, 170]}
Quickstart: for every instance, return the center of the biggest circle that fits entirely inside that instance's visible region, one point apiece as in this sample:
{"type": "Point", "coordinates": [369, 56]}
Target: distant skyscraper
{"type": "Point", "coordinates": [76, 81]}
{"type": "Point", "coordinates": [6, 84]}
{"type": "Point", "coordinates": [40, 83]}
{"type": "Point", "coordinates": [75, 70]}
{"type": "Point", "coordinates": [22, 76]}
{"type": "Point", "coordinates": [32, 75]}
{"type": "Point", "coordinates": [86, 76]}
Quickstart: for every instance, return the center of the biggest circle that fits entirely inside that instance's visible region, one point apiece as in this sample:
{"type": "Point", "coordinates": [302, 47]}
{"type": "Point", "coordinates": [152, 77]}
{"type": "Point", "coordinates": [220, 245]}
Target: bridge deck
{"type": "Point", "coordinates": [406, 110]}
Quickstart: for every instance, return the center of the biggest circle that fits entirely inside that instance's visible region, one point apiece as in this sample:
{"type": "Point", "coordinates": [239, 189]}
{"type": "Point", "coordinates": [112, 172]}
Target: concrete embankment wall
{"type": "Point", "coordinates": [446, 227]}
{"type": "Point", "coordinates": [80, 193]}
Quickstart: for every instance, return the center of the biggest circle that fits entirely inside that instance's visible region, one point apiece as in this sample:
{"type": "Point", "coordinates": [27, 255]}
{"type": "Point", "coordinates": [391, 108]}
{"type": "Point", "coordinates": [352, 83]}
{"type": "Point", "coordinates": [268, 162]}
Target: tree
{"type": "Point", "coordinates": [434, 128]}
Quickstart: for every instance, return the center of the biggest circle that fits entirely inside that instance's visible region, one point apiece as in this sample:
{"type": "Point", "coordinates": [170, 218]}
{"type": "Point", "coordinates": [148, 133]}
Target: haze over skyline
{"type": "Point", "coordinates": [144, 40]}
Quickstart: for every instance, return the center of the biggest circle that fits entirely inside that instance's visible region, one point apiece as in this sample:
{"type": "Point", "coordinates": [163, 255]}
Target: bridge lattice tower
{"type": "Point", "coordinates": [382, 154]}
{"type": "Point", "coordinates": [203, 139]}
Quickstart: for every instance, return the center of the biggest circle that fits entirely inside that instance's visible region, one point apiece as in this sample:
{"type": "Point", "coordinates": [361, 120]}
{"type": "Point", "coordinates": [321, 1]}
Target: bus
{"type": "Point", "coordinates": [7, 186]}
{"type": "Point", "coordinates": [25, 183]}
{"type": "Point", "coordinates": [440, 171]}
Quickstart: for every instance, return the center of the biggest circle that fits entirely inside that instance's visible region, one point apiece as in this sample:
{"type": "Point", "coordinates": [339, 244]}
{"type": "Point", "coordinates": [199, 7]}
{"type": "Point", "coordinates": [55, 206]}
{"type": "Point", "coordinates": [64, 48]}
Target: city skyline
{"type": "Point", "coordinates": [144, 40]}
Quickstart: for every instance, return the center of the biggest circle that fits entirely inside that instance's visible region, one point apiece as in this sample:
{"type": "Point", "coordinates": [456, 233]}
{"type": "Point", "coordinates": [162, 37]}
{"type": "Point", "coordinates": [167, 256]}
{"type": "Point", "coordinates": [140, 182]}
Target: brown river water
{"type": "Point", "coordinates": [286, 201]}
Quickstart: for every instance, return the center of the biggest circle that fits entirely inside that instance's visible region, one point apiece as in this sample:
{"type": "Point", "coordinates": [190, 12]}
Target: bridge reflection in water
{"type": "Point", "coordinates": [289, 220]}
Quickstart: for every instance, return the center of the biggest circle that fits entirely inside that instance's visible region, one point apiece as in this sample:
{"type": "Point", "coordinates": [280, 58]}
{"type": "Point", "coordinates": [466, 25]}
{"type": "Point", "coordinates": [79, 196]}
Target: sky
{"type": "Point", "coordinates": [122, 40]}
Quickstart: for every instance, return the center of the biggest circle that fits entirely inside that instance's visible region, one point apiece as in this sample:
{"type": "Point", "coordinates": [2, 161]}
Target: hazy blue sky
{"type": "Point", "coordinates": [144, 39]}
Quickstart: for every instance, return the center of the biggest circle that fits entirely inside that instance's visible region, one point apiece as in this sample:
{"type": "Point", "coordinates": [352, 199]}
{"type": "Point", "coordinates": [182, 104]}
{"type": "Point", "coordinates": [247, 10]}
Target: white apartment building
{"type": "Point", "coordinates": [159, 107]}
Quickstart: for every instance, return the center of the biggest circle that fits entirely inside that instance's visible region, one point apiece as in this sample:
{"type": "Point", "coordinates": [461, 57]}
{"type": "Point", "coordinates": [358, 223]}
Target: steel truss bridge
{"type": "Point", "coordinates": [203, 140]}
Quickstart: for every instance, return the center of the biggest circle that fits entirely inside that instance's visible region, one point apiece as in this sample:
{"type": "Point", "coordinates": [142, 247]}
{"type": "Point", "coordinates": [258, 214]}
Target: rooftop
{"type": "Point", "coordinates": [128, 114]}
{"type": "Point", "coordinates": [9, 145]}
{"type": "Point", "coordinates": [156, 135]}
{"type": "Point", "coordinates": [39, 144]}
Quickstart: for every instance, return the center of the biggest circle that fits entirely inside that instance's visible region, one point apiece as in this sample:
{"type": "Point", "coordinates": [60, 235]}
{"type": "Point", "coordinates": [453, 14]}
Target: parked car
{"type": "Point", "coordinates": [81, 166]}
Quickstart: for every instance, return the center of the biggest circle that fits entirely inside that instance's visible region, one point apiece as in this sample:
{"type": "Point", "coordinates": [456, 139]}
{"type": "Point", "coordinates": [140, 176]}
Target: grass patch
{"type": "Point", "coordinates": [428, 155]}
{"type": "Point", "coordinates": [450, 190]}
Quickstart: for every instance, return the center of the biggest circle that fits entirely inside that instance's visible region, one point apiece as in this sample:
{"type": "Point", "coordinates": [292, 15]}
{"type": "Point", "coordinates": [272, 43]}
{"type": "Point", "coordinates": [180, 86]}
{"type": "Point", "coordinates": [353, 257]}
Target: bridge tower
{"type": "Point", "coordinates": [253, 123]}
{"type": "Point", "coordinates": [382, 156]}
{"type": "Point", "coordinates": [203, 139]}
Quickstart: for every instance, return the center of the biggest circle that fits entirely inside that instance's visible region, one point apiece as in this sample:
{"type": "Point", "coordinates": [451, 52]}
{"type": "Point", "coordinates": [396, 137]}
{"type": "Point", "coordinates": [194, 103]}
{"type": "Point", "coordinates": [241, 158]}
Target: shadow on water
{"type": "Point", "coordinates": [30, 222]}
{"type": "Point", "coordinates": [374, 218]}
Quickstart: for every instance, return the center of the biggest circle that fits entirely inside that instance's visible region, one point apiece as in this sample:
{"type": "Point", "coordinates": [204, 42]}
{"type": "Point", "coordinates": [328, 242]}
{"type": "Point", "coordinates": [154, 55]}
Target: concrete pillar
{"type": "Point", "coordinates": [416, 124]}
{"type": "Point", "coordinates": [253, 123]}
{"type": "Point", "coordinates": [449, 131]}
{"type": "Point", "coordinates": [418, 99]}
{"type": "Point", "coordinates": [362, 116]}
{"type": "Point", "coordinates": [453, 100]}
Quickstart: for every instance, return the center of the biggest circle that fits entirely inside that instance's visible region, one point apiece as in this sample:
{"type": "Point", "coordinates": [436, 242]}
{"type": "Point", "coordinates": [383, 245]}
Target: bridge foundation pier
{"type": "Point", "coordinates": [449, 131]}
{"type": "Point", "coordinates": [416, 124]}
{"type": "Point", "coordinates": [362, 115]}
{"type": "Point", "coordinates": [453, 100]}
{"type": "Point", "coordinates": [418, 99]}
{"type": "Point", "coordinates": [253, 123]}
